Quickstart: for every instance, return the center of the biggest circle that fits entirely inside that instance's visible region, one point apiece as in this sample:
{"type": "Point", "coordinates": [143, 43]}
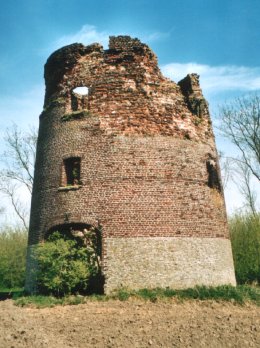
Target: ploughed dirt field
{"type": "Point", "coordinates": [133, 323]}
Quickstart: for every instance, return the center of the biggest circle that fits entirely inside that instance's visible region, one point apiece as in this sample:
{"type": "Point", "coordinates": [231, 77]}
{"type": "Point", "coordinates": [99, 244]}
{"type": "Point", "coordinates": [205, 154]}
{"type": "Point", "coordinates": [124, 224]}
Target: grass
{"type": "Point", "coordinates": [239, 295]}
{"type": "Point", "coordinates": [40, 301]}
{"type": "Point", "coordinates": [75, 115]}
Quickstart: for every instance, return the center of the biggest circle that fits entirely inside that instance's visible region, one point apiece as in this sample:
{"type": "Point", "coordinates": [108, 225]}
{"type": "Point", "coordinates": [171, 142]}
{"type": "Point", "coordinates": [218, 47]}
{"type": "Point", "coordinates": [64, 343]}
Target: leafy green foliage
{"type": "Point", "coordinates": [13, 245]}
{"type": "Point", "coordinates": [245, 240]}
{"type": "Point", "coordinates": [63, 266]}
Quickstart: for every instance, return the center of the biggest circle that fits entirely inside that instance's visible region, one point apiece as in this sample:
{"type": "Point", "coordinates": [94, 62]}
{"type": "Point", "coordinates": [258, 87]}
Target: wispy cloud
{"type": "Point", "coordinates": [214, 79]}
{"type": "Point", "coordinates": [155, 36]}
{"type": "Point", "coordinates": [217, 79]}
{"type": "Point", "coordinates": [89, 34]}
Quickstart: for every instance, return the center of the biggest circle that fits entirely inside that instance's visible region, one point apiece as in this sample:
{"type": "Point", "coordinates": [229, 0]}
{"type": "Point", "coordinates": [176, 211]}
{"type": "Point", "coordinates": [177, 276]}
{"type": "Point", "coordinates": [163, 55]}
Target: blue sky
{"type": "Point", "coordinates": [219, 39]}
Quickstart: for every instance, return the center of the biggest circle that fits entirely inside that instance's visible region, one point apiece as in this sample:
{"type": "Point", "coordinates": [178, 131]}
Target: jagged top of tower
{"type": "Point", "coordinates": [126, 90]}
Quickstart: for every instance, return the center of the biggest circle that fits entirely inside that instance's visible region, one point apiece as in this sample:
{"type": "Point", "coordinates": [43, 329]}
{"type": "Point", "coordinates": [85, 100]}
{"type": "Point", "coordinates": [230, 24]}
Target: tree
{"type": "Point", "coordinates": [245, 187]}
{"type": "Point", "coordinates": [13, 246]}
{"type": "Point", "coordinates": [236, 170]}
{"type": "Point", "coordinates": [241, 124]}
{"type": "Point", "coordinates": [226, 164]}
{"type": "Point", "coordinates": [18, 161]}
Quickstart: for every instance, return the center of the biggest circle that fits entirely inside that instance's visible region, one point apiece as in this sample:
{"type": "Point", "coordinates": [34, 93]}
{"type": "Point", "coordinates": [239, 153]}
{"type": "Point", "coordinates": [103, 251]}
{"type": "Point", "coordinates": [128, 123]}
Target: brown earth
{"type": "Point", "coordinates": [134, 323]}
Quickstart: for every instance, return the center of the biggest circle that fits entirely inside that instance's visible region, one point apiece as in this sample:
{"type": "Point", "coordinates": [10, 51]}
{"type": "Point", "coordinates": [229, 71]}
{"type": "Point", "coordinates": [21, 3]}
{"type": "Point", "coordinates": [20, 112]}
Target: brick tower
{"type": "Point", "coordinates": [135, 156]}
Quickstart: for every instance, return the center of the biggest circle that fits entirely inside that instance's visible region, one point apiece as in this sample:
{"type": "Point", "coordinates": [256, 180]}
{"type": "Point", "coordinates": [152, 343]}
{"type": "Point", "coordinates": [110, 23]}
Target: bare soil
{"type": "Point", "coordinates": [133, 323]}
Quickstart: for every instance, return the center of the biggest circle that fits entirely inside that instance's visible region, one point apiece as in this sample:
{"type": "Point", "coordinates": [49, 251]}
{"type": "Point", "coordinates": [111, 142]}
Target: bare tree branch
{"type": "Point", "coordinates": [243, 183]}
{"type": "Point", "coordinates": [241, 124]}
{"type": "Point", "coordinates": [9, 189]}
{"type": "Point", "coordinates": [236, 170]}
{"type": "Point", "coordinates": [18, 161]}
{"type": "Point", "coordinates": [226, 165]}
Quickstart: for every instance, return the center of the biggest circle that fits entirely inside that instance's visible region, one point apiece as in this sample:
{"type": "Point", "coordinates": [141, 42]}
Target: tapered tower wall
{"type": "Point", "coordinates": [149, 173]}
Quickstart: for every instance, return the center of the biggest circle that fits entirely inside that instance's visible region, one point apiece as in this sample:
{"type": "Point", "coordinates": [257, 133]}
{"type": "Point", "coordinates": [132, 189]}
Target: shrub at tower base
{"type": "Point", "coordinates": [64, 266]}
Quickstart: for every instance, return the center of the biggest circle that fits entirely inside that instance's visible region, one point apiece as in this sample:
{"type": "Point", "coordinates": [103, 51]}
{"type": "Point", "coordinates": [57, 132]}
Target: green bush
{"type": "Point", "coordinates": [245, 240]}
{"type": "Point", "coordinates": [63, 266]}
{"type": "Point", "coordinates": [13, 244]}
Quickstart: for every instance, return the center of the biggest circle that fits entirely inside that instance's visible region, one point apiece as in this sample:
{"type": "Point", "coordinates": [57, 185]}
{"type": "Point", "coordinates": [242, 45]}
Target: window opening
{"type": "Point", "coordinates": [79, 98]}
{"type": "Point", "coordinates": [213, 175]}
{"type": "Point", "coordinates": [81, 90]}
{"type": "Point", "coordinates": [72, 171]}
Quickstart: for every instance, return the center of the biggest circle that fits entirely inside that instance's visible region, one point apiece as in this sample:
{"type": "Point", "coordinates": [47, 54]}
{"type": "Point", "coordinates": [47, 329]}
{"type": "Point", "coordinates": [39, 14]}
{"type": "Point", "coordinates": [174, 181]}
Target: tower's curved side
{"type": "Point", "coordinates": [146, 168]}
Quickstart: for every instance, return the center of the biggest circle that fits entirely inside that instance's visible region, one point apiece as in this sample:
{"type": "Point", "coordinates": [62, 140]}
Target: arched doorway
{"type": "Point", "coordinates": [89, 237]}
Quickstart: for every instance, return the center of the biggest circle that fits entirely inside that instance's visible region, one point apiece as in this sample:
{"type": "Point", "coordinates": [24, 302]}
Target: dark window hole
{"type": "Point", "coordinates": [213, 176]}
{"type": "Point", "coordinates": [72, 171]}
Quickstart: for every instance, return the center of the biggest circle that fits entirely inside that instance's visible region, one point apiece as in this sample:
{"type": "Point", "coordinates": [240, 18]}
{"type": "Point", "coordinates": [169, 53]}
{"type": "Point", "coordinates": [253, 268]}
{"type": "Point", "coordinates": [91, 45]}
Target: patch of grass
{"type": "Point", "coordinates": [151, 295]}
{"type": "Point", "coordinates": [75, 115]}
{"type": "Point", "coordinates": [224, 293]}
{"type": "Point", "coordinates": [240, 295]}
{"type": "Point", "coordinates": [38, 301]}
{"type": "Point", "coordinates": [122, 295]}
{"type": "Point", "coordinates": [43, 301]}
{"type": "Point", "coordinates": [97, 297]}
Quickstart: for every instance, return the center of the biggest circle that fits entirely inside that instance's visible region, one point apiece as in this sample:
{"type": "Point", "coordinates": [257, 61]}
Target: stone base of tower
{"type": "Point", "coordinates": [30, 281]}
{"type": "Point", "coordinates": [173, 262]}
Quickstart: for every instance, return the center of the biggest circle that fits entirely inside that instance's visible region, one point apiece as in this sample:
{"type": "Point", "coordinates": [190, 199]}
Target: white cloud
{"type": "Point", "coordinates": [214, 79]}
{"type": "Point", "coordinates": [219, 83]}
{"type": "Point", "coordinates": [158, 35]}
{"type": "Point", "coordinates": [89, 34]}
{"type": "Point", "coordinates": [217, 79]}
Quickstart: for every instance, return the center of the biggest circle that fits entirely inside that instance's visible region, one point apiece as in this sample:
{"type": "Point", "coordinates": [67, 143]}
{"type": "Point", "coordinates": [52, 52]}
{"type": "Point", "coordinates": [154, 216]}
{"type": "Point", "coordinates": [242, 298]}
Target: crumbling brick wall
{"type": "Point", "coordinates": [149, 170]}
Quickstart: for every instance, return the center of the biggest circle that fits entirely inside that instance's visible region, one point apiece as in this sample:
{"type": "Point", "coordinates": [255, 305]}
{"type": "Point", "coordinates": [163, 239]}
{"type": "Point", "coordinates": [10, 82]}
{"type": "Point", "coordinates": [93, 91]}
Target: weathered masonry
{"type": "Point", "coordinates": [132, 153]}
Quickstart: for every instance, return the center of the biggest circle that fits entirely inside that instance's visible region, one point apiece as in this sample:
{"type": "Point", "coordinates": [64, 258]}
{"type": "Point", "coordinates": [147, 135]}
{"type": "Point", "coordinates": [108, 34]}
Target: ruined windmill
{"type": "Point", "coordinates": [134, 157]}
